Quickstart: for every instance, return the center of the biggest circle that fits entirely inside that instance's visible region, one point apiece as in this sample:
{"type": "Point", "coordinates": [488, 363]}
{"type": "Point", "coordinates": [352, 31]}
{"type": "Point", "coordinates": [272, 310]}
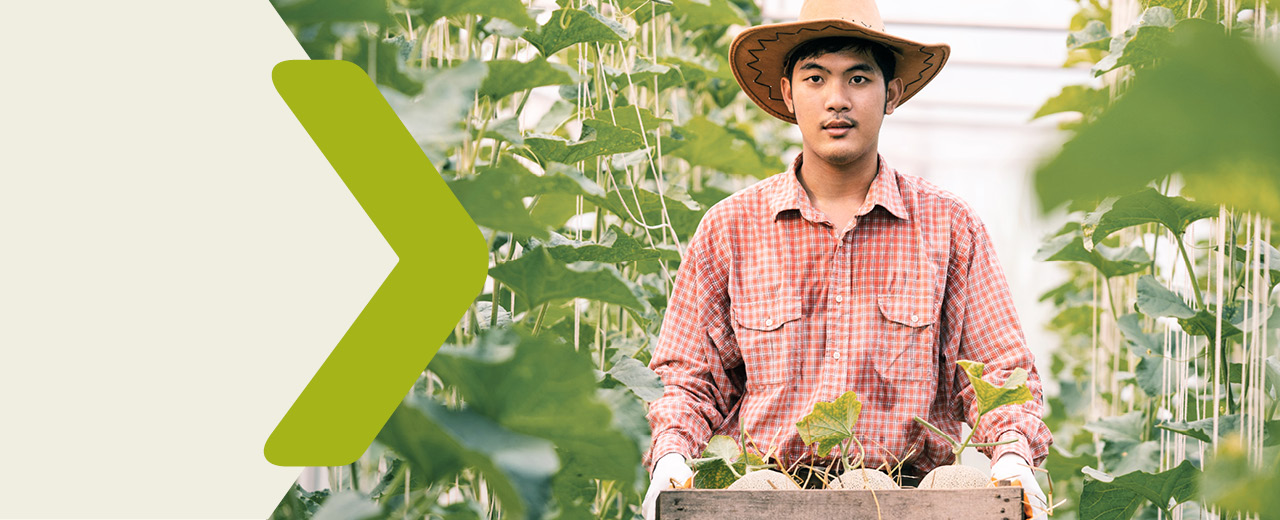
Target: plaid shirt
{"type": "Point", "coordinates": [773, 311]}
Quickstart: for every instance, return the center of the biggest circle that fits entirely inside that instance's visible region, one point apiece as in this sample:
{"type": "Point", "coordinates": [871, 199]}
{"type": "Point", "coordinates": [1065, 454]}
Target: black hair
{"type": "Point", "coordinates": [880, 53]}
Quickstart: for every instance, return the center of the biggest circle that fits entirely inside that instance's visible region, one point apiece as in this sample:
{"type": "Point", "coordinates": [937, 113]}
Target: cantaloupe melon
{"type": "Point", "coordinates": [863, 479]}
{"type": "Point", "coordinates": [955, 477]}
{"type": "Point", "coordinates": [764, 479]}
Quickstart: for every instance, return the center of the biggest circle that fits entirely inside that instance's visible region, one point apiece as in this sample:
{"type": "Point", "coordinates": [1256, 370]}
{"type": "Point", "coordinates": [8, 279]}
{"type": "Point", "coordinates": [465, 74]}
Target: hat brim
{"type": "Point", "coordinates": [757, 56]}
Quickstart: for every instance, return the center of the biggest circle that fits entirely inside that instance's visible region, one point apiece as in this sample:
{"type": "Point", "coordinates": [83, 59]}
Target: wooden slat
{"type": "Point", "coordinates": [818, 504]}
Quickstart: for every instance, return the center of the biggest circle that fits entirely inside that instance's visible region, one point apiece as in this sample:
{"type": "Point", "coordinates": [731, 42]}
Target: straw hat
{"type": "Point", "coordinates": [758, 54]}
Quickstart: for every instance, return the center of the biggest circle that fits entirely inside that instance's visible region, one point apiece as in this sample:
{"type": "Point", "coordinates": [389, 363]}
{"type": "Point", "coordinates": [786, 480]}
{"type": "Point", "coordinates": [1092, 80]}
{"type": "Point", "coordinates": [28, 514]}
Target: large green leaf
{"type": "Point", "coordinates": [436, 118]}
{"type": "Point", "coordinates": [1234, 482]}
{"type": "Point", "coordinates": [713, 468]}
{"type": "Point", "coordinates": [1109, 261]}
{"type": "Point", "coordinates": [1076, 98]}
{"type": "Point", "coordinates": [633, 118]}
{"type": "Point", "coordinates": [1127, 427]}
{"type": "Point", "coordinates": [1094, 35]}
{"type": "Point", "coordinates": [709, 144]}
{"type": "Point", "coordinates": [1205, 323]}
{"type": "Point", "coordinates": [348, 505]}
{"type": "Point", "coordinates": [1119, 497]}
{"type": "Point", "coordinates": [633, 205]}
{"type": "Point", "coordinates": [637, 377]}
{"type": "Point", "coordinates": [494, 195]}
{"type": "Point", "coordinates": [511, 10]}
{"type": "Point", "coordinates": [1148, 348]}
{"type": "Point", "coordinates": [510, 76]}
{"type": "Point", "coordinates": [830, 424]}
{"type": "Point", "coordinates": [598, 138]}
{"type": "Point", "coordinates": [1145, 207]}
{"type": "Point", "coordinates": [542, 388]}
{"type": "Point", "coordinates": [698, 14]}
{"type": "Point", "coordinates": [615, 247]}
{"type": "Point", "coordinates": [1203, 428]}
{"type": "Point", "coordinates": [571, 26]}
{"type": "Point", "coordinates": [1206, 112]}
{"type": "Point", "coordinates": [1013, 391]}
{"type": "Point", "coordinates": [1157, 301]}
{"type": "Point", "coordinates": [1141, 43]}
{"type": "Point", "coordinates": [438, 443]}
{"type": "Point", "coordinates": [539, 278]}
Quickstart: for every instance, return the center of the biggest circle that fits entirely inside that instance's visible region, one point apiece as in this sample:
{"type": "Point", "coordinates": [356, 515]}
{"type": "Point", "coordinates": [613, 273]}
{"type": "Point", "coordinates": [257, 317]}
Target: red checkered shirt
{"type": "Point", "coordinates": [773, 310]}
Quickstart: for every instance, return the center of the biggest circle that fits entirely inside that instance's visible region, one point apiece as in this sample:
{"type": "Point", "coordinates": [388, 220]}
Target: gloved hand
{"type": "Point", "coordinates": [1011, 466]}
{"type": "Point", "coordinates": [670, 466]}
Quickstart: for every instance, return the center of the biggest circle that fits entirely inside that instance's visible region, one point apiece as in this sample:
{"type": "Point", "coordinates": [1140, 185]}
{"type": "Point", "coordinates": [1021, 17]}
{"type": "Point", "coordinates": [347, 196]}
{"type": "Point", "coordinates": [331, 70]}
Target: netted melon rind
{"type": "Point", "coordinates": [955, 477]}
{"type": "Point", "coordinates": [761, 480]}
{"type": "Point", "coordinates": [863, 479]}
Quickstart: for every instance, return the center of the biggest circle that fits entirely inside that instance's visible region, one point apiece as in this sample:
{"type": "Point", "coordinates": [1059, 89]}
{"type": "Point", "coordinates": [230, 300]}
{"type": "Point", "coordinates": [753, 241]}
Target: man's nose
{"type": "Point", "coordinates": [837, 99]}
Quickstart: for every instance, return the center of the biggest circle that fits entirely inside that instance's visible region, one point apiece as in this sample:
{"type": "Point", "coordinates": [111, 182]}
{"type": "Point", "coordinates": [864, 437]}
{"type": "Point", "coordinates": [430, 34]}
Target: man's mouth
{"type": "Point", "coordinates": [837, 128]}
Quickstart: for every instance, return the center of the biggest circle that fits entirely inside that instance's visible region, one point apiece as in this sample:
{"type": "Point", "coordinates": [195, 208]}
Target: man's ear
{"type": "Point", "coordinates": [892, 95]}
{"type": "Point", "coordinates": [786, 94]}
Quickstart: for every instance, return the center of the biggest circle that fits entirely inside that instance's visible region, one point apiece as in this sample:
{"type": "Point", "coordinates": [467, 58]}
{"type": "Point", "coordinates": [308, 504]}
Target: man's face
{"type": "Point", "coordinates": [839, 100]}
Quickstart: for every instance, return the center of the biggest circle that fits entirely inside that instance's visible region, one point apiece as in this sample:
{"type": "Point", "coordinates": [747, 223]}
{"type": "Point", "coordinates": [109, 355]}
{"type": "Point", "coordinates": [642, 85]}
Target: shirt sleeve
{"type": "Point", "coordinates": [694, 347]}
{"type": "Point", "coordinates": [981, 312]}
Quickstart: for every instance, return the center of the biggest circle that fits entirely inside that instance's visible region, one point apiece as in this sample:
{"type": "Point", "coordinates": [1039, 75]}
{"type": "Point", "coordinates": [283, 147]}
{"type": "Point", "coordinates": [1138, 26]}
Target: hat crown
{"type": "Point", "coordinates": [861, 12]}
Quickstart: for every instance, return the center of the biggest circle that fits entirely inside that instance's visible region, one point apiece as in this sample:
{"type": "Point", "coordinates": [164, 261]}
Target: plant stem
{"type": "Point", "coordinates": [537, 323]}
{"type": "Point", "coordinates": [935, 429]}
{"type": "Point", "coordinates": [1191, 273]}
{"type": "Point", "coordinates": [969, 438]}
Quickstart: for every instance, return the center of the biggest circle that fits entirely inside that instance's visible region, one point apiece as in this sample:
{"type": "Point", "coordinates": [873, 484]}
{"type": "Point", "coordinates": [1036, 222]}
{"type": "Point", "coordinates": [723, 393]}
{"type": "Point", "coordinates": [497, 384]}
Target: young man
{"type": "Point", "coordinates": [839, 274]}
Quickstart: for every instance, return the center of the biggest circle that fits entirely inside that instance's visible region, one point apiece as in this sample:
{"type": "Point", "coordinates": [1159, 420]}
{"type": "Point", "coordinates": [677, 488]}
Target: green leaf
{"type": "Point", "coordinates": [830, 424]}
{"type": "Point", "coordinates": [510, 76]}
{"type": "Point", "coordinates": [1110, 262]}
{"type": "Point", "coordinates": [439, 443]}
{"type": "Point", "coordinates": [1119, 498]}
{"type": "Point", "coordinates": [1076, 98]}
{"type": "Point", "coordinates": [615, 247]}
{"type": "Point", "coordinates": [1148, 347]}
{"type": "Point", "coordinates": [637, 377]}
{"type": "Point", "coordinates": [631, 118]}
{"type": "Point", "coordinates": [1204, 323]}
{"type": "Point", "coordinates": [1095, 35]}
{"type": "Point", "coordinates": [570, 26]}
{"type": "Point", "coordinates": [542, 388]}
{"type": "Point", "coordinates": [1233, 482]}
{"type": "Point", "coordinates": [1141, 43]}
{"type": "Point", "coordinates": [1126, 427]}
{"type": "Point", "coordinates": [699, 14]}
{"type": "Point", "coordinates": [598, 138]}
{"type": "Point", "coordinates": [1145, 207]}
{"type": "Point", "coordinates": [1157, 301]}
{"type": "Point", "coordinates": [513, 11]}
{"type": "Point", "coordinates": [684, 214]}
{"type": "Point", "coordinates": [1166, 123]}
{"type": "Point", "coordinates": [539, 278]}
{"type": "Point", "coordinates": [713, 468]}
{"type": "Point", "coordinates": [1203, 428]}
{"type": "Point", "coordinates": [710, 145]}
{"type": "Point", "coordinates": [494, 195]}
{"type": "Point", "coordinates": [436, 117]}
{"type": "Point", "coordinates": [1013, 391]}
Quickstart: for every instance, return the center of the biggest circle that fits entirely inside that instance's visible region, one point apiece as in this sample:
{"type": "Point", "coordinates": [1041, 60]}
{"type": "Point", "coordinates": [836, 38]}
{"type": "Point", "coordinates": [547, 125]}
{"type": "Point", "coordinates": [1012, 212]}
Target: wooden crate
{"type": "Point", "coordinates": [997, 503]}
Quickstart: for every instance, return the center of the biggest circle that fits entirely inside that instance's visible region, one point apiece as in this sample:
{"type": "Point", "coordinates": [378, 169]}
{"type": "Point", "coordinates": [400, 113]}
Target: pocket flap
{"type": "Point", "coordinates": [767, 314]}
{"type": "Point", "coordinates": [906, 310]}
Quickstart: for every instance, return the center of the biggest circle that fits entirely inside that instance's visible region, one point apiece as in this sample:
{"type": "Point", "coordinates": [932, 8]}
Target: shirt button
{"type": "Point", "coordinates": [836, 355]}
{"type": "Point", "coordinates": [839, 298]}
{"type": "Point", "coordinates": [769, 322]}
{"type": "Point", "coordinates": [915, 319]}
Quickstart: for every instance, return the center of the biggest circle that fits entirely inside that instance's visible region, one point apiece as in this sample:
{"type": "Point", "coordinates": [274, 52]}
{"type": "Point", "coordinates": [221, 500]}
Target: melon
{"type": "Point", "coordinates": [764, 479]}
{"type": "Point", "coordinates": [863, 479]}
{"type": "Point", "coordinates": [955, 477]}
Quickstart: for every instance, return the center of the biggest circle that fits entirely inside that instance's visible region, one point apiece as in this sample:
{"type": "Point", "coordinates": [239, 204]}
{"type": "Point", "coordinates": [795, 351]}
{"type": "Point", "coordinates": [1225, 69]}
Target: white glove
{"type": "Point", "coordinates": [670, 466]}
{"type": "Point", "coordinates": [1011, 466]}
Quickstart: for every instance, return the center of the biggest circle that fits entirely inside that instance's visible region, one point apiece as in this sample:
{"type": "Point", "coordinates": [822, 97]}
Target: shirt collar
{"type": "Point", "coordinates": [884, 192]}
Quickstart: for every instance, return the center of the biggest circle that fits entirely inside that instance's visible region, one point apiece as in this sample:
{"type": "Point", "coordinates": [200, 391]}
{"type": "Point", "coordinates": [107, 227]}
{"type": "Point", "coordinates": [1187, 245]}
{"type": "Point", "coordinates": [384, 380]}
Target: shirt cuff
{"type": "Point", "coordinates": [1021, 446]}
{"type": "Point", "coordinates": [669, 441]}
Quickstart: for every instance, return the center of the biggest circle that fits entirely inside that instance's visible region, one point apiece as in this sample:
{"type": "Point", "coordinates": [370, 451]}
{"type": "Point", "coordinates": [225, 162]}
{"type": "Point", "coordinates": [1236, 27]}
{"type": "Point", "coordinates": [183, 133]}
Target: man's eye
{"type": "Point", "coordinates": [812, 78]}
{"type": "Point", "coordinates": [858, 80]}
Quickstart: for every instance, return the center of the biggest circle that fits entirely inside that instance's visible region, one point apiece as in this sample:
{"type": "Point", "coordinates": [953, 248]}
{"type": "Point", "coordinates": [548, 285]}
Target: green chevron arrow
{"type": "Point", "coordinates": [441, 268]}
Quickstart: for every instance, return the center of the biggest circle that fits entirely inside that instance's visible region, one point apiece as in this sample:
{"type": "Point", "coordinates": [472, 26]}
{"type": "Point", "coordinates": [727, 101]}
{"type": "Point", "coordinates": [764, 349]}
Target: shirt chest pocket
{"type": "Point", "coordinates": [906, 338]}
{"type": "Point", "coordinates": [768, 337]}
